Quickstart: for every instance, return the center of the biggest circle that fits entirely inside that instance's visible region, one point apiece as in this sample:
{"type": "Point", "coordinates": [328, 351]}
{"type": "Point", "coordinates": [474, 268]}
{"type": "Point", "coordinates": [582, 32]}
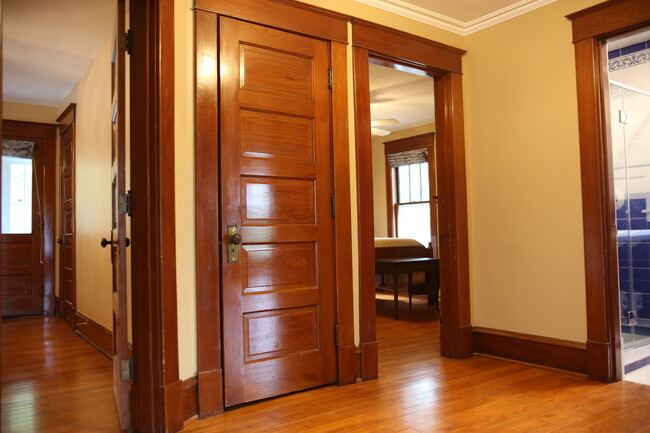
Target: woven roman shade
{"type": "Point", "coordinates": [18, 149]}
{"type": "Point", "coordinates": [407, 157]}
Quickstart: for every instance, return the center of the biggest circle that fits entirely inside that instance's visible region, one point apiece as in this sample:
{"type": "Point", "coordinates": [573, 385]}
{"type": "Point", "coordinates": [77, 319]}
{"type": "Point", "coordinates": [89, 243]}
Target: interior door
{"type": "Point", "coordinates": [278, 281]}
{"type": "Point", "coordinates": [118, 241]}
{"type": "Point", "coordinates": [67, 223]}
{"type": "Point", "coordinates": [22, 231]}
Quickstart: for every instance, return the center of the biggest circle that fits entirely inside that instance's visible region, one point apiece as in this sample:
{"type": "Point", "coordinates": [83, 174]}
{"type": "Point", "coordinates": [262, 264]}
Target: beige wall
{"type": "Point", "coordinates": [92, 94]}
{"type": "Point", "coordinates": [526, 250]}
{"type": "Point", "coordinates": [185, 202]}
{"type": "Point", "coordinates": [29, 112]}
{"type": "Point", "coordinates": [379, 173]}
{"type": "Point", "coordinates": [526, 258]}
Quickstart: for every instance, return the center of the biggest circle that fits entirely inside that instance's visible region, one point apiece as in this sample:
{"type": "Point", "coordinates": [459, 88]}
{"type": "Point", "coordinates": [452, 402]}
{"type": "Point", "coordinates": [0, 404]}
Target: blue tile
{"type": "Point", "coordinates": [613, 54]}
{"type": "Point", "coordinates": [637, 205]}
{"type": "Point", "coordinates": [622, 224]}
{"type": "Point", "coordinates": [633, 48]}
{"type": "Point", "coordinates": [638, 223]}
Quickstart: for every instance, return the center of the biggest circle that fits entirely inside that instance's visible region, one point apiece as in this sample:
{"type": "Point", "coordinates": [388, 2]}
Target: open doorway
{"type": "Point", "coordinates": [402, 113]}
{"type": "Point", "coordinates": [629, 103]}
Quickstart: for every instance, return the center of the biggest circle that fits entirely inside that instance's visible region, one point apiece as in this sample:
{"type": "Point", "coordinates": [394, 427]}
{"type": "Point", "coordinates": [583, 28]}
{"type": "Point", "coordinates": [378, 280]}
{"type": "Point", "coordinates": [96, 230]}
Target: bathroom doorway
{"type": "Point", "coordinates": [629, 103]}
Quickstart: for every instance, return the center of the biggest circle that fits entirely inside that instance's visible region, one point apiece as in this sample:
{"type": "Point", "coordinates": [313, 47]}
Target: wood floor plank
{"type": "Point", "coordinates": [53, 381]}
{"type": "Point", "coordinates": [61, 384]}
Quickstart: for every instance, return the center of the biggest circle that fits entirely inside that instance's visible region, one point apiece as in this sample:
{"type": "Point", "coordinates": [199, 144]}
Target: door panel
{"type": "Point", "coordinates": [118, 242]}
{"type": "Point", "coordinates": [276, 187]}
{"type": "Point", "coordinates": [22, 244]}
{"type": "Point", "coordinates": [67, 245]}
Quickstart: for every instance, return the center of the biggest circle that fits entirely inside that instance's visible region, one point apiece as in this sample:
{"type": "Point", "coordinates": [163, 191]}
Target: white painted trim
{"type": "Point", "coordinates": [440, 21]}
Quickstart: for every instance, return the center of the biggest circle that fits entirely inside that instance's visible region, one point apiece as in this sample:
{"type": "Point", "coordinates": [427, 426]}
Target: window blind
{"type": "Point", "coordinates": [18, 149]}
{"type": "Point", "coordinates": [407, 157]}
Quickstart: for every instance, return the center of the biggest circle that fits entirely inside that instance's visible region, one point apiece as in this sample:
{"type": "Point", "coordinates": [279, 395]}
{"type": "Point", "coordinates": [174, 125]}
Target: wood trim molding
{"type": "Point", "coordinates": [287, 15]}
{"type": "Point", "coordinates": [68, 116]}
{"type": "Point", "coordinates": [208, 290]}
{"type": "Point", "coordinates": [409, 143]}
{"type": "Point", "coordinates": [550, 352]}
{"type": "Point", "coordinates": [98, 336]}
{"type": "Point", "coordinates": [590, 27]}
{"type": "Point", "coordinates": [343, 218]}
{"type": "Point", "coordinates": [455, 322]}
{"type": "Point", "coordinates": [405, 47]}
{"type": "Point", "coordinates": [45, 134]}
{"type": "Point", "coordinates": [444, 64]}
{"type": "Point", "coordinates": [190, 398]}
{"type": "Point", "coordinates": [157, 394]}
{"type": "Point", "coordinates": [609, 18]}
{"type": "Point", "coordinates": [365, 218]}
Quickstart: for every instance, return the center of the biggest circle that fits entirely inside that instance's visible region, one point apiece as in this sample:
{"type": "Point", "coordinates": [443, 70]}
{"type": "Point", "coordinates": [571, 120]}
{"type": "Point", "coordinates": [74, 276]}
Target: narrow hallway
{"type": "Point", "coordinates": [53, 381]}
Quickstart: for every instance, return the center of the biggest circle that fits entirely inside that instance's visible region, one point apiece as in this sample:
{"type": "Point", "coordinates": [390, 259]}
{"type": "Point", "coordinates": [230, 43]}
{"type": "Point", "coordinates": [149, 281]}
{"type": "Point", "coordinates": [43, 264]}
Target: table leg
{"type": "Point", "coordinates": [410, 290]}
{"type": "Point", "coordinates": [395, 289]}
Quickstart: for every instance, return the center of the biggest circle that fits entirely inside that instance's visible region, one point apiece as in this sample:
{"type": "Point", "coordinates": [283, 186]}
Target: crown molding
{"type": "Point", "coordinates": [444, 22]}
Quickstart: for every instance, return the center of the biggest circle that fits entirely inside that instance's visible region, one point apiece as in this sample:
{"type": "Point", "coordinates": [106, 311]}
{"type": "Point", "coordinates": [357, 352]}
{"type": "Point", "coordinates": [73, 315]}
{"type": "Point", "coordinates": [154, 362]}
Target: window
{"type": "Point", "coordinates": [412, 210]}
{"type": "Point", "coordinates": [16, 187]}
{"type": "Point", "coordinates": [409, 189]}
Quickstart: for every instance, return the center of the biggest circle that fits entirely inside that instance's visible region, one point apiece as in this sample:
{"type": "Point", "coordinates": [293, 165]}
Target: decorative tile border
{"type": "Point", "coordinates": [629, 56]}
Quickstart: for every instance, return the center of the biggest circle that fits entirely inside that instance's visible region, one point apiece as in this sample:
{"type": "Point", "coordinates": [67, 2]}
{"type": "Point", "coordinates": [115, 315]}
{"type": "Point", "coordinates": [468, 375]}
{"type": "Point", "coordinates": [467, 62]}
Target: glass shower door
{"type": "Point", "coordinates": [630, 126]}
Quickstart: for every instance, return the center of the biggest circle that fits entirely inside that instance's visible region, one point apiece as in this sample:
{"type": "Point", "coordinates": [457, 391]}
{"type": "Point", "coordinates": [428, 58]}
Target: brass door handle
{"type": "Point", "coordinates": [234, 240]}
{"type": "Point", "coordinates": [105, 242]}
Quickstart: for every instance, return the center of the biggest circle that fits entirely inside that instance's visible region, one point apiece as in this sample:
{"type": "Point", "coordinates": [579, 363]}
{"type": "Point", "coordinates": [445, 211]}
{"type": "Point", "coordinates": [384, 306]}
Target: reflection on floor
{"type": "Point", "coordinates": [53, 381]}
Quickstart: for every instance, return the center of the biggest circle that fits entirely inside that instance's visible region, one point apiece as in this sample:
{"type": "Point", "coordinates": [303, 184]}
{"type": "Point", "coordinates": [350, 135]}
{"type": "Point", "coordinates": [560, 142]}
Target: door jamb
{"type": "Point", "coordinates": [157, 390]}
{"type": "Point", "coordinates": [591, 27]}
{"type": "Point", "coordinates": [372, 40]}
{"type": "Point", "coordinates": [45, 133]}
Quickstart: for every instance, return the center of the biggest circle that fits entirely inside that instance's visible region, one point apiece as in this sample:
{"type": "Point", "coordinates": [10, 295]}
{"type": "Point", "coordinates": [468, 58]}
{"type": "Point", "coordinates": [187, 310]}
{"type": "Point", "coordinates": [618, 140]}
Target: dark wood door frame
{"type": "Point", "coordinates": [156, 391]}
{"type": "Point", "coordinates": [374, 41]}
{"type": "Point", "coordinates": [301, 19]}
{"type": "Point", "coordinates": [44, 134]}
{"type": "Point", "coordinates": [67, 305]}
{"type": "Point", "coordinates": [591, 27]}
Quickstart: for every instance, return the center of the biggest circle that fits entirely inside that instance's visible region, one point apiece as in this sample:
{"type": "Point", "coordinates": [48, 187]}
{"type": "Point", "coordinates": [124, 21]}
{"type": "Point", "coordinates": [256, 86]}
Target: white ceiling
{"type": "Point", "coordinates": [458, 16]}
{"type": "Point", "coordinates": [395, 94]}
{"type": "Point", "coordinates": [47, 45]}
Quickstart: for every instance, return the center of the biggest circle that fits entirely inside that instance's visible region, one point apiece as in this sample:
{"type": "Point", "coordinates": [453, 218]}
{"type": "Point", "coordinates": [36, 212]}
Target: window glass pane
{"type": "Point", "coordinates": [424, 176]}
{"type": "Point", "coordinates": [403, 189]}
{"type": "Point", "coordinates": [16, 195]}
{"type": "Point", "coordinates": [414, 221]}
{"type": "Point", "coordinates": [415, 182]}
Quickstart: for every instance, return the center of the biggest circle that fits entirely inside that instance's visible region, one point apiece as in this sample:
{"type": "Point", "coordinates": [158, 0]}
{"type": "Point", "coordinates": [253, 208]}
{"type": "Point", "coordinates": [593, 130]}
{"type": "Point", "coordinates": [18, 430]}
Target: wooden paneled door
{"type": "Point", "coordinates": [66, 240]}
{"type": "Point", "coordinates": [278, 281]}
{"type": "Point", "coordinates": [22, 229]}
{"type": "Point", "coordinates": [118, 240]}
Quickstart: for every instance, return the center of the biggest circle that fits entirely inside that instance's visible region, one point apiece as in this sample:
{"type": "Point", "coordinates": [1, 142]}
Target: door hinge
{"type": "Point", "coordinates": [330, 78]}
{"type": "Point", "coordinates": [336, 335]}
{"type": "Point", "coordinates": [333, 206]}
{"type": "Point", "coordinates": [124, 203]}
{"type": "Point", "coordinates": [127, 44]}
{"type": "Point", "coordinates": [127, 369]}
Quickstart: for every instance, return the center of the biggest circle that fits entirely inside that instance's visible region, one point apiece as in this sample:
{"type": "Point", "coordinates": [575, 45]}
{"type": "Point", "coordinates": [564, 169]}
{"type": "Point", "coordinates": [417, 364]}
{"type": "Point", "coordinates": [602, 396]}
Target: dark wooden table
{"type": "Point", "coordinates": [396, 266]}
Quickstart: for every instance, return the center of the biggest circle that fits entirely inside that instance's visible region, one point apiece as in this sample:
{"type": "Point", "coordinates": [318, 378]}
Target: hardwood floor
{"type": "Point", "coordinates": [52, 381]}
{"type": "Point", "coordinates": [418, 391]}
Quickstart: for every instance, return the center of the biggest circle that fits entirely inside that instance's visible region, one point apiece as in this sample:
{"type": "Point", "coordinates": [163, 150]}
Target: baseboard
{"type": "Point", "coordinates": [95, 334]}
{"type": "Point", "coordinates": [369, 360]}
{"type": "Point", "coordinates": [190, 398]}
{"type": "Point", "coordinates": [550, 352]}
{"type": "Point", "coordinates": [346, 360]}
{"type": "Point", "coordinates": [210, 393]}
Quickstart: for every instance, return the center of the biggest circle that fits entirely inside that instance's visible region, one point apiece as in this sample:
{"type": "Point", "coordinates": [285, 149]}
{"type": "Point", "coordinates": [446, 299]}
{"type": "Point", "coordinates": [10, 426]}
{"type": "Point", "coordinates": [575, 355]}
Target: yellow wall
{"type": "Point", "coordinates": [29, 112]}
{"type": "Point", "coordinates": [379, 173]}
{"type": "Point", "coordinates": [526, 250]}
{"type": "Point", "coordinates": [92, 94]}
{"type": "Point", "coordinates": [185, 202]}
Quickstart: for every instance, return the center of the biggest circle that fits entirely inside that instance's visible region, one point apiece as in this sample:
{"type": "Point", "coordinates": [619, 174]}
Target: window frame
{"type": "Point", "coordinates": [422, 141]}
